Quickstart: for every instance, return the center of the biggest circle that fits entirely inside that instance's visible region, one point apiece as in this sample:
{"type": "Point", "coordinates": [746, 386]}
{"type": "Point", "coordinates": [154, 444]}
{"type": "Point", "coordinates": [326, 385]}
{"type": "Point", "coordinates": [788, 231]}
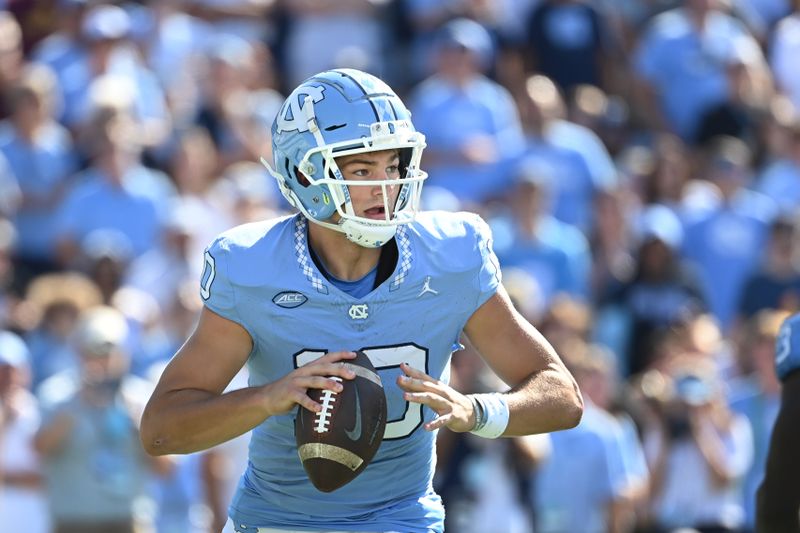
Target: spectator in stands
{"type": "Point", "coordinates": [41, 155]}
{"type": "Point", "coordinates": [248, 19]}
{"type": "Point", "coordinates": [749, 93]}
{"type": "Point", "coordinates": [680, 64]}
{"type": "Point", "coordinates": [668, 173]}
{"type": "Point", "coordinates": [223, 465]}
{"type": "Point", "coordinates": [115, 193]}
{"type": "Point", "coordinates": [105, 256]}
{"type": "Point", "coordinates": [160, 271]}
{"type": "Point", "coordinates": [661, 293]}
{"type": "Point", "coordinates": [484, 483]}
{"type": "Point", "coordinates": [161, 338]}
{"type": "Point", "coordinates": [200, 206]}
{"type": "Point", "coordinates": [470, 122]}
{"type": "Point", "coordinates": [11, 58]}
{"type": "Point", "coordinates": [776, 282]}
{"type": "Point", "coordinates": [23, 503]}
{"type": "Point", "coordinates": [607, 115]}
{"type": "Point", "coordinates": [724, 242]}
{"type": "Point", "coordinates": [566, 499]}
{"type": "Point", "coordinates": [249, 196]}
{"type": "Point", "coordinates": [110, 68]}
{"type": "Point", "coordinates": [698, 453]}
{"type": "Point", "coordinates": [326, 26]}
{"type": "Point", "coordinates": [57, 300]}
{"type": "Point", "coordinates": [611, 243]}
{"type": "Point", "coordinates": [582, 166]}
{"type": "Point", "coordinates": [8, 236]}
{"type": "Point", "coordinates": [10, 194]}
{"type": "Point", "coordinates": [63, 50]}
{"type": "Point", "coordinates": [555, 253]}
{"type": "Point", "coordinates": [94, 465]}
{"type": "Point", "coordinates": [784, 48]}
{"type": "Point", "coordinates": [568, 41]}
{"type": "Point", "coordinates": [236, 114]}
{"type": "Point", "coordinates": [179, 494]}
{"type": "Point", "coordinates": [567, 321]}
{"type": "Point", "coordinates": [173, 42]}
{"type": "Point", "coordinates": [756, 394]}
{"type": "Point", "coordinates": [761, 15]}
{"type": "Point", "coordinates": [780, 179]}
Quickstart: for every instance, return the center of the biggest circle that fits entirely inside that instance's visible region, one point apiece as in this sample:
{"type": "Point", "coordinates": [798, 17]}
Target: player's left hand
{"type": "Point", "coordinates": [454, 409]}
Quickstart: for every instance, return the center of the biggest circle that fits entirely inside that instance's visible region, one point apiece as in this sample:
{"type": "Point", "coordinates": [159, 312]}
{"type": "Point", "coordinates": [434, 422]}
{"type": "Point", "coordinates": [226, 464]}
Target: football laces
{"type": "Point", "coordinates": [323, 419]}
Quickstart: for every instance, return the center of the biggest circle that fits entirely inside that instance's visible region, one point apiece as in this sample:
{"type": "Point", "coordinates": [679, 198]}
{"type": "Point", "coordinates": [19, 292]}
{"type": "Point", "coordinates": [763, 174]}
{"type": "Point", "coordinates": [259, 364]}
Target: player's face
{"type": "Point", "coordinates": [368, 200]}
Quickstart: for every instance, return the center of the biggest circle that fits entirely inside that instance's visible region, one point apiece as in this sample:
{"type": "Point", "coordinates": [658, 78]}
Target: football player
{"type": "Point", "coordinates": [778, 500]}
{"type": "Point", "coordinates": [356, 268]}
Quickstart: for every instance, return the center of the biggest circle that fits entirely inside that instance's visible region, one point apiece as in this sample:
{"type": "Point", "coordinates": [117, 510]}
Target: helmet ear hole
{"type": "Point", "coordinates": [299, 176]}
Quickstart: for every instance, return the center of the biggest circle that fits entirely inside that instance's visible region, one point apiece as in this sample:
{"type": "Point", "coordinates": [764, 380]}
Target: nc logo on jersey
{"type": "Point", "coordinates": [291, 117]}
{"type": "Point", "coordinates": [359, 311]}
{"type": "Point", "coordinates": [289, 299]}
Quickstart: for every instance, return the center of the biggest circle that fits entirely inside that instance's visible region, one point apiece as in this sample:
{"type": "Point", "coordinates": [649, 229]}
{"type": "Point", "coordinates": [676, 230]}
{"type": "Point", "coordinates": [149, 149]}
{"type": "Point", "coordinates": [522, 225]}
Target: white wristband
{"type": "Point", "coordinates": [491, 414]}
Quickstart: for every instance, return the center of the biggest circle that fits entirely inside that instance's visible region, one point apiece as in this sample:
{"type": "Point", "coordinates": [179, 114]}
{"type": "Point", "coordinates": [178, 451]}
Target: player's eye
{"type": "Point", "coordinates": [392, 170]}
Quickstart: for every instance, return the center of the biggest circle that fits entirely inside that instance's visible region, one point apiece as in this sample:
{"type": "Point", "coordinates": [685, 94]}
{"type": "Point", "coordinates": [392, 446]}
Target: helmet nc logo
{"type": "Point", "coordinates": [291, 117]}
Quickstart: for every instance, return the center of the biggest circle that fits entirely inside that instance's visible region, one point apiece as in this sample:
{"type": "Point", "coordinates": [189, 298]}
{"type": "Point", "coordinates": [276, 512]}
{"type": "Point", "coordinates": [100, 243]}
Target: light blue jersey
{"type": "Point", "coordinates": [787, 347]}
{"type": "Point", "coordinates": [262, 277]}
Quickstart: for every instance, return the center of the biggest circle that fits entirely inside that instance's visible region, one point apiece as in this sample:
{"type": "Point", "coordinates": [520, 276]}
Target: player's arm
{"type": "Point", "coordinates": [544, 397]}
{"type": "Point", "coordinates": [188, 411]}
{"type": "Point", "coordinates": [778, 501]}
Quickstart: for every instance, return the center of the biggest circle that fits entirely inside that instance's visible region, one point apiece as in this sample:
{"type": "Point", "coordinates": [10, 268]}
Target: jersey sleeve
{"type": "Point", "coordinates": [787, 347]}
{"type": "Point", "coordinates": [489, 276]}
{"type": "Point", "coordinates": [216, 289]}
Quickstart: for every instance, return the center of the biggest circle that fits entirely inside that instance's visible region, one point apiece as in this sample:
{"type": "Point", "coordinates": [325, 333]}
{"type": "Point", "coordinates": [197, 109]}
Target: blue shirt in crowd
{"type": "Point", "coordinates": [40, 168]}
{"type": "Point", "coordinates": [584, 474]}
{"type": "Point", "coordinates": [450, 116]}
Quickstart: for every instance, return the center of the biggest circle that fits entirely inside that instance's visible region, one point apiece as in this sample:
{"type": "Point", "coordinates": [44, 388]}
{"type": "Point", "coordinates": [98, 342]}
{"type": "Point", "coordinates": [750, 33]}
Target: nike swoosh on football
{"type": "Point", "coordinates": [355, 433]}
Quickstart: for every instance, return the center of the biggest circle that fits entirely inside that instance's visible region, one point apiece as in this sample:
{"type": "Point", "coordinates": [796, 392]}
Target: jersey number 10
{"type": "Point", "coordinates": [385, 358]}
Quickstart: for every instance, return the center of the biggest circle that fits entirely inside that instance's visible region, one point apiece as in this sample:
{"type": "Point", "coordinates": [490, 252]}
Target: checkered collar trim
{"type": "Point", "coordinates": [303, 257]}
{"type": "Point", "coordinates": [405, 256]}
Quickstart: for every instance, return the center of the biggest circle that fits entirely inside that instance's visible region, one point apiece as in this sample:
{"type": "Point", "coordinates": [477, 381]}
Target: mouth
{"type": "Point", "coordinates": [376, 213]}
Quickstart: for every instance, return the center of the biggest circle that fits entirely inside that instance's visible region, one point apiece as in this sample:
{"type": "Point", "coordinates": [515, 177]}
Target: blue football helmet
{"type": "Point", "coordinates": [334, 114]}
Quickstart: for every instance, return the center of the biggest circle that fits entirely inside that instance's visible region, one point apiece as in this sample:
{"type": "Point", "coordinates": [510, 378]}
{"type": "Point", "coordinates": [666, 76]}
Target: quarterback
{"type": "Point", "coordinates": [358, 268]}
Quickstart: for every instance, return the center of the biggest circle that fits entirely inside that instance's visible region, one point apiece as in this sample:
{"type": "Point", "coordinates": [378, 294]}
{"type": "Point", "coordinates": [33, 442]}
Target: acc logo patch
{"type": "Point", "coordinates": [289, 299]}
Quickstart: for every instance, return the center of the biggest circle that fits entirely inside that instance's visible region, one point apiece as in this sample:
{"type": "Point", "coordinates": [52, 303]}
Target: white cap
{"type": "Point", "coordinates": [106, 22]}
{"type": "Point", "coordinates": [660, 223]}
{"type": "Point", "coordinates": [100, 330]}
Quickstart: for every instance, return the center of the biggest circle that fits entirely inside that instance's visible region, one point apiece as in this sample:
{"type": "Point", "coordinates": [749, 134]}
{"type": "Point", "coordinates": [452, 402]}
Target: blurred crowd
{"type": "Point", "coordinates": [637, 160]}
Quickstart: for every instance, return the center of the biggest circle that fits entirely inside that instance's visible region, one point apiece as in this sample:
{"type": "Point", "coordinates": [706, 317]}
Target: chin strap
{"type": "Point", "coordinates": [367, 235]}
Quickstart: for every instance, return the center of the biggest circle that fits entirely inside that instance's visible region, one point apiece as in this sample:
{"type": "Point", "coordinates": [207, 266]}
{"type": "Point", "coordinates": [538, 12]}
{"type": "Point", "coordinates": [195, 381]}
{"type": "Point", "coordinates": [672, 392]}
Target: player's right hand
{"type": "Point", "coordinates": [281, 396]}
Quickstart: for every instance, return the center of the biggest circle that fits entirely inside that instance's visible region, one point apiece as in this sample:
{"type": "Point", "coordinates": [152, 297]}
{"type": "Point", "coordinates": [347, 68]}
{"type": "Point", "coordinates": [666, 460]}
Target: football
{"type": "Point", "coordinates": [336, 444]}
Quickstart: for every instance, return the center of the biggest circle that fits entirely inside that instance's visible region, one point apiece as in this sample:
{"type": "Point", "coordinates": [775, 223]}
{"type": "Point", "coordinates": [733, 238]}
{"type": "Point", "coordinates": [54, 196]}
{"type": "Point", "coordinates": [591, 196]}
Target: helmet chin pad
{"type": "Point", "coordinates": [365, 234]}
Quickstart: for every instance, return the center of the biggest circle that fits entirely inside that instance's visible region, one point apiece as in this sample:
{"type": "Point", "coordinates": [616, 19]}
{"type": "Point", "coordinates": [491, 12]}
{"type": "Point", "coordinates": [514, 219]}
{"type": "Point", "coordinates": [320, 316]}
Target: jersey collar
{"type": "Point", "coordinates": [306, 264]}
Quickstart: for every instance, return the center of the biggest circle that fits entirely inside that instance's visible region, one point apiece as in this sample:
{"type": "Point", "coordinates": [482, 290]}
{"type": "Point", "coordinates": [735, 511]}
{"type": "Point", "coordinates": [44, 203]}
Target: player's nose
{"type": "Point", "coordinates": [380, 185]}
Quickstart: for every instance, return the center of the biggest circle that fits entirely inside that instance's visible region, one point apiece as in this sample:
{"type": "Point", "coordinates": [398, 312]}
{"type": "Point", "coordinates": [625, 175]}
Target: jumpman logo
{"type": "Point", "coordinates": [426, 287]}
